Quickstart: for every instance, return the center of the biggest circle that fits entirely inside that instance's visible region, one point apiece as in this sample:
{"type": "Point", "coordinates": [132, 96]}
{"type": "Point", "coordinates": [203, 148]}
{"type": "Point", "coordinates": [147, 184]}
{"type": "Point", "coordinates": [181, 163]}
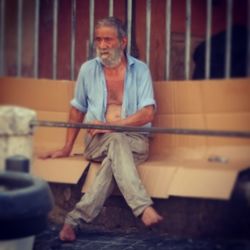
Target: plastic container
{"type": "Point", "coordinates": [25, 202]}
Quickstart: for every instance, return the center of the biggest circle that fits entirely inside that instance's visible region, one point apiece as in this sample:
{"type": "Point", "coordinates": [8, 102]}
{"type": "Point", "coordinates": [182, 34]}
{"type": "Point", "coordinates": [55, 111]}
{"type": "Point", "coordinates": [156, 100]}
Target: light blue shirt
{"type": "Point", "coordinates": [91, 93]}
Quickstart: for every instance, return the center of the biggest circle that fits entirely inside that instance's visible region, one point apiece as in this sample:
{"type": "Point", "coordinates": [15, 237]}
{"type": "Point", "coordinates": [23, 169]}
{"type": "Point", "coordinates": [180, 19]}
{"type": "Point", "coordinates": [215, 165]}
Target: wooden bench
{"type": "Point", "coordinates": [179, 165]}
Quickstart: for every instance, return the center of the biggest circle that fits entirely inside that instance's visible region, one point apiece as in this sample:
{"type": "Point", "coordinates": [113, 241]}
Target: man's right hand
{"type": "Point", "coordinates": [71, 134]}
{"type": "Point", "coordinates": [64, 152]}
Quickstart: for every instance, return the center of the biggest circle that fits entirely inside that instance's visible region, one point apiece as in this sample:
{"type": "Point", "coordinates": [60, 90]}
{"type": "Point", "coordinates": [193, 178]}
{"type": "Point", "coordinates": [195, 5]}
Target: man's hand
{"type": "Point", "coordinates": [93, 131]}
{"type": "Point", "coordinates": [64, 152]}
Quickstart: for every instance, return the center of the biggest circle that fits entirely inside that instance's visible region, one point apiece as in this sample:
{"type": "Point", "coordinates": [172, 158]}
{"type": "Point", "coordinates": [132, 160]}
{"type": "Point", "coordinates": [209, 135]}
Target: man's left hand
{"type": "Point", "coordinates": [94, 131]}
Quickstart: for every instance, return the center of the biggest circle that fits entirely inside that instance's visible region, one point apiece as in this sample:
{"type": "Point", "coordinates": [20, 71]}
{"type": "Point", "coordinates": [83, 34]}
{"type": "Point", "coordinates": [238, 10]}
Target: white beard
{"type": "Point", "coordinates": [110, 57]}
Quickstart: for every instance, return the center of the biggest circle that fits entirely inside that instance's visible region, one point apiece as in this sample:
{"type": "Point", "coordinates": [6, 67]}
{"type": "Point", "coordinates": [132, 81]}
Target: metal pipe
{"type": "Point", "coordinates": [168, 37]}
{"type": "Point", "coordinates": [36, 38]}
{"type": "Point", "coordinates": [19, 36]}
{"type": "Point", "coordinates": [187, 39]}
{"type": "Point", "coordinates": [248, 40]}
{"type": "Point", "coordinates": [148, 30]}
{"type": "Point", "coordinates": [91, 26]}
{"type": "Point", "coordinates": [228, 39]}
{"type": "Point", "coordinates": [111, 7]}
{"type": "Point", "coordinates": [208, 39]}
{"type": "Point", "coordinates": [2, 38]}
{"type": "Point", "coordinates": [55, 39]}
{"type": "Point", "coordinates": [181, 131]}
{"type": "Point", "coordinates": [129, 25]}
{"type": "Point", "coordinates": [73, 39]}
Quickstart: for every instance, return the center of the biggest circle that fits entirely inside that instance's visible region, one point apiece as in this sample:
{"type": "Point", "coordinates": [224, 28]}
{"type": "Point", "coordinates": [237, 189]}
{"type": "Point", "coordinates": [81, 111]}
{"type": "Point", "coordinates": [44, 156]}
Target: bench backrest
{"type": "Point", "coordinates": [50, 99]}
{"type": "Point", "coordinates": [204, 104]}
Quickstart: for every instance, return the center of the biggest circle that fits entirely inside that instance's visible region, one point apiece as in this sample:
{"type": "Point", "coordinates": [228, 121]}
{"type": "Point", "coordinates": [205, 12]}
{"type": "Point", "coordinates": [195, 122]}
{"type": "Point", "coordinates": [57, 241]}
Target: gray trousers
{"type": "Point", "coordinates": [119, 153]}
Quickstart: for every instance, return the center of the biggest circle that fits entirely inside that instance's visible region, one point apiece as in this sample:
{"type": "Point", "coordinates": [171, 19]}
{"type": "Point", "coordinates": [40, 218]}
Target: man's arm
{"type": "Point", "coordinates": [140, 118]}
{"type": "Point", "coordinates": [74, 116]}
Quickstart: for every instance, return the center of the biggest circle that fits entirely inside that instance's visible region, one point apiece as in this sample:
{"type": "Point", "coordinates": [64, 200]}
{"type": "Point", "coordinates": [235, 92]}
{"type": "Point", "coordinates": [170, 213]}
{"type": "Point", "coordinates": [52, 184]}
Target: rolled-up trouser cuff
{"type": "Point", "coordinates": [72, 222]}
{"type": "Point", "coordinates": [138, 211]}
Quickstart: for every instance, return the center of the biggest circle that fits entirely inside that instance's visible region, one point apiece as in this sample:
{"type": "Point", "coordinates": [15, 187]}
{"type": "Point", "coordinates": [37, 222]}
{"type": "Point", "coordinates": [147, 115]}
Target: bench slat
{"type": "Point", "coordinates": [62, 170]}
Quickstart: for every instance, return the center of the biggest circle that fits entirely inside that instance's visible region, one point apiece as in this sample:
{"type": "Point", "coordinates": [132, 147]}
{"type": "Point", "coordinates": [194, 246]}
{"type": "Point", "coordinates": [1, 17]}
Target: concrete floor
{"type": "Point", "coordinates": [94, 240]}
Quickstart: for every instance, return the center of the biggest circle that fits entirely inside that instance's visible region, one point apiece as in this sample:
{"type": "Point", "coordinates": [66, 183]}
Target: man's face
{"type": "Point", "coordinates": [109, 47]}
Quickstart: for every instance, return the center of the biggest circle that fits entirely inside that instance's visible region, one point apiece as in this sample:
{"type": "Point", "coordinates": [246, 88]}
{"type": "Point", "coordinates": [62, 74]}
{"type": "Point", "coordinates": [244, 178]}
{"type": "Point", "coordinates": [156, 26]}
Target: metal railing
{"type": "Point", "coordinates": [129, 17]}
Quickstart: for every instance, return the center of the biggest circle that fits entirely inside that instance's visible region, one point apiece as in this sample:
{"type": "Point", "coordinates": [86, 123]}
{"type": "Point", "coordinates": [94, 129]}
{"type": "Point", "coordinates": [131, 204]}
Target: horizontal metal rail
{"type": "Point", "coordinates": [180, 131]}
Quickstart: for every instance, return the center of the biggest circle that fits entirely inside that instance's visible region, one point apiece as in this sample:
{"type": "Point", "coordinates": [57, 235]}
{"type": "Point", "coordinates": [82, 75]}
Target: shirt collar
{"type": "Point", "coordinates": [131, 60]}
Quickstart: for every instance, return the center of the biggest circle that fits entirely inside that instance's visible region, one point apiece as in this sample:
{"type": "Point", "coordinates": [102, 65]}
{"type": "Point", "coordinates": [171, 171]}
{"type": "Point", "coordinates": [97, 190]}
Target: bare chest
{"type": "Point", "coordinates": [115, 89]}
{"type": "Point", "coordinates": [115, 92]}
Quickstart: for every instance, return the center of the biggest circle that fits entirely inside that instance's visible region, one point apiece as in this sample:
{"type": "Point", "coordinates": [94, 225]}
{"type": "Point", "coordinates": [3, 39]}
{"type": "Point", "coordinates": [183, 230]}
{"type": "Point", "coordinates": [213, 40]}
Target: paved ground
{"type": "Point", "coordinates": [94, 240]}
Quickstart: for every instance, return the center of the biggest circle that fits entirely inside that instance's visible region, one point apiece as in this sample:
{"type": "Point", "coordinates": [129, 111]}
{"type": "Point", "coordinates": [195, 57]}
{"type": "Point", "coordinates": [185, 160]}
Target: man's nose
{"type": "Point", "coordinates": [102, 44]}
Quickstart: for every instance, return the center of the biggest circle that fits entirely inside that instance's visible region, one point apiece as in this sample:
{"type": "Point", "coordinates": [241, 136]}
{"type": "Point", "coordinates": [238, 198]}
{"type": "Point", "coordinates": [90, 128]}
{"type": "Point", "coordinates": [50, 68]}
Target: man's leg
{"type": "Point", "coordinates": [130, 183]}
{"type": "Point", "coordinates": [124, 151]}
{"type": "Point", "coordinates": [120, 153]}
{"type": "Point", "coordinates": [92, 201]}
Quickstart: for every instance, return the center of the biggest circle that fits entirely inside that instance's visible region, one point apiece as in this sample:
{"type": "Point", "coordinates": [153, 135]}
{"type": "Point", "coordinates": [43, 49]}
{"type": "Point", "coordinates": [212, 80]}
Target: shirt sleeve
{"type": "Point", "coordinates": [145, 90]}
{"type": "Point", "coordinates": [79, 100]}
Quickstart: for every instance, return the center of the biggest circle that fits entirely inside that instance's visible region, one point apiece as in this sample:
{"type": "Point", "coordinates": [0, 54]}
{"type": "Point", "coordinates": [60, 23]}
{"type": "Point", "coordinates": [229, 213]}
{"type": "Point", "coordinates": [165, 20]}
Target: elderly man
{"type": "Point", "coordinates": [112, 89]}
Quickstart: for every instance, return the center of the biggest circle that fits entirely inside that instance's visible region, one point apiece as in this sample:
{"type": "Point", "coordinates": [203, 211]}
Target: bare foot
{"type": "Point", "coordinates": [150, 217]}
{"type": "Point", "coordinates": [67, 233]}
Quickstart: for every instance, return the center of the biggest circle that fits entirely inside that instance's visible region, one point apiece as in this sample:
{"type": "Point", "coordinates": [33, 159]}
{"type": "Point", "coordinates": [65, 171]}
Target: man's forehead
{"type": "Point", "coordinates": [106, 30]}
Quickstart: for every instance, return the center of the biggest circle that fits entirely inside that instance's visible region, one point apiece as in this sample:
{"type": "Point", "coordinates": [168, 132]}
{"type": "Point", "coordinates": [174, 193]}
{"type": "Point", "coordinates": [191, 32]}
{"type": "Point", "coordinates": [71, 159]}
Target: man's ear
{"type": "Point", "coordinates": [124, 42]}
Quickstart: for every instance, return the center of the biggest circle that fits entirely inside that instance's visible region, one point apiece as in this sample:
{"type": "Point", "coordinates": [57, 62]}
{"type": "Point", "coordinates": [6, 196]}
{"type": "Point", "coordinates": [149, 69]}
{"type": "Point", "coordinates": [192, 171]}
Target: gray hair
{"type": "Point", "coordinates": [115, 23]}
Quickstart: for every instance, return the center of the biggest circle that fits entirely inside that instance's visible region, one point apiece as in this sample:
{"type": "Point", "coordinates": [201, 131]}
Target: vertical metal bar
{"type": "Point", "coordinates": [73, 39]}
{"type": "Point", "coordinates": [91, 26]}
{"type": "Point", "coordinates": [2, 37]}
{"type": "Point", "coordinates": [36, 38]}
{"type": "Point", "coordinates": [168, 37]}
{"type": "Point", "coordinates": [187, 39]}
{"type": "Point", "coordinates": [111, 7]}
{"type": "Point", "coordinates": [208, 39]}
{"type": "Point", "coordinates": [248, 39]}
{"type": "Point", "coordinates": [228, 39]}
{"type": "Point", "coordinates": [19, 36]}
{"type": "Point", "coordinates": [55, 34]}
{"type": "Point", "coordinates": [129, 25]}
{"type": "Point", "coordinates": [148, 30]}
